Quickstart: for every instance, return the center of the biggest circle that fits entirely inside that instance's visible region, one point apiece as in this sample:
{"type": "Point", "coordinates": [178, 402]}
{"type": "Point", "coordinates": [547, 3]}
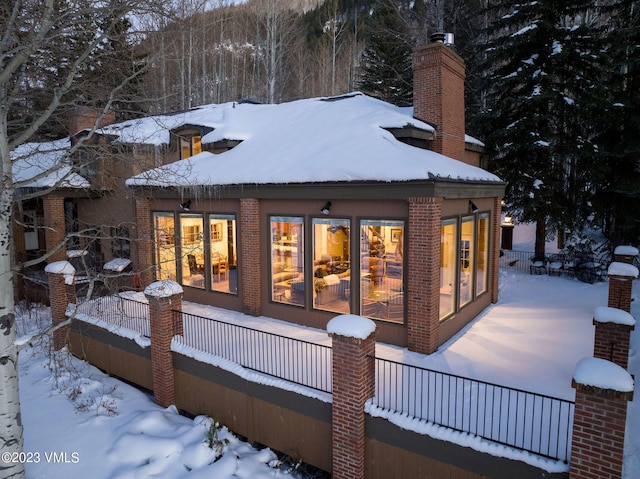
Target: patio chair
{"type": "Point", "coordinates": [538, 265]}
{"type": "Point", "coordinates": [556, 265]}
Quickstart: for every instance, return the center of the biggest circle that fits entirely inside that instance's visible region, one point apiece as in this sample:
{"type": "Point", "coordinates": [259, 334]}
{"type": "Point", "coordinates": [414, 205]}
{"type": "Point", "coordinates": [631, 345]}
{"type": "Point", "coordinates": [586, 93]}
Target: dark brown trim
{"type": "Point", "coordinates": [483, 464]}
{"type": "Point", "coordinates": [449, 189]}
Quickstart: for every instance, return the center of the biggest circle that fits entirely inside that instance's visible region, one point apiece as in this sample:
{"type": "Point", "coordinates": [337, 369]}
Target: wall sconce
{"type": "Point", "coordinates": [472, 206]}
{"type": "Point", "coordinates": [326, 209]}
{"type": "Point", "coordinates": [186, 205]}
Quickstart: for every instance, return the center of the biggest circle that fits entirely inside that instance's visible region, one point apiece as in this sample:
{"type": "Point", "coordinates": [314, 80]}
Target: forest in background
{"type": "Point", "coordinates": [275, 50]}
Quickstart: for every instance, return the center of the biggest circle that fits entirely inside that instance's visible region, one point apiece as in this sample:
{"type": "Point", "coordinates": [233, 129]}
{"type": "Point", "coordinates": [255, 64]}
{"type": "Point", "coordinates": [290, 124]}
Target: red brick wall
{"type": "Point", "coordinates": [143, 260]}
{"type": "Point", "coordinates": [250, 242]}
{"type": "Point", "coordinates": [58, 299]}
{"type": "Point", "coordinates": [55, 231]}
{"type": "Point", "coordinates": [438, 96]}
{"type": "Point", "coordinates": [496, 213]}
{"type": "Point", "coordinates": [620, 292]}
{"type": "Point", "coordinates": [611, 342]}
{"type": "Point", "coordinates": [163, 328]}
{"type": "Point", "coordinates": [353, 384]}
{"type": "Point", "coordinates": [598, 434]}
{"type": "Point", "coordinates": [84, 117]}
{"type": "Point", "coordinates": [423, 278]}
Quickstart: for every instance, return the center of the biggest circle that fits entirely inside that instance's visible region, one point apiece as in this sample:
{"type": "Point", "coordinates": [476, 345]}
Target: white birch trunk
{"type": "Point", "coordinates": [10, 421]}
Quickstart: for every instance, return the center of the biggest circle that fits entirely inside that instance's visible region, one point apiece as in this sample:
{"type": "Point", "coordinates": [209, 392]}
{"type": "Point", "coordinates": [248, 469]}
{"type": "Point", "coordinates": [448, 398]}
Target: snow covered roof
{"type": "Point", "coordinates": [342, 139]}
{"type": "Point", "coordinates": [44, 165]}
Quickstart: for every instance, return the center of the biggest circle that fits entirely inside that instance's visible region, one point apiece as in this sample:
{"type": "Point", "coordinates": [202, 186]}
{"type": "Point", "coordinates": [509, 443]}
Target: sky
{"type": "Point", "coordinates": [533, 338]}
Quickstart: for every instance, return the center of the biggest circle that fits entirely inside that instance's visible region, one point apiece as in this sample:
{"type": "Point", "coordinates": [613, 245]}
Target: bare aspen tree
{"type": "Point", "coordinates": [50, 57]}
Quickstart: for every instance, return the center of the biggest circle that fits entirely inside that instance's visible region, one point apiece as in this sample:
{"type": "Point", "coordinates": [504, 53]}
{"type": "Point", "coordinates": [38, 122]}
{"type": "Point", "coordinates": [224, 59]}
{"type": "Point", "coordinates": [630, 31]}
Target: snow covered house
{"type": "Point", "coordinates": [312, 208]}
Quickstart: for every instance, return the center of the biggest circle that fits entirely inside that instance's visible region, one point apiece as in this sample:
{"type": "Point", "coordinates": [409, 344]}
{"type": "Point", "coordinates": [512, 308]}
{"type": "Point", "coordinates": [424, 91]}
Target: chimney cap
{"type": "Point", "coordinates": [437, 37]}
{"type": "Point", "coordinates": [442, 37]}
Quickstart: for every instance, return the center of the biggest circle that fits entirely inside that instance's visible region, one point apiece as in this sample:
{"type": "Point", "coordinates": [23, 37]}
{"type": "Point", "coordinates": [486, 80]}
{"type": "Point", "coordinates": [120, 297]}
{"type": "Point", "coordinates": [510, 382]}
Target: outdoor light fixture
{"type": "Point", "coordinates": [186, 205]}
{"type": "Point", "coordinates": [326, 209]}
{"type": "Point", "coordinates": [472, 206]}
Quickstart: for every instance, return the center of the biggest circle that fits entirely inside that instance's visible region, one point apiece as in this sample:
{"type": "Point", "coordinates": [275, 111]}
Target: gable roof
{"type": "Point", "coordinates": [342, 139]}
{"type": "Point", "coordinates": [45, 165]}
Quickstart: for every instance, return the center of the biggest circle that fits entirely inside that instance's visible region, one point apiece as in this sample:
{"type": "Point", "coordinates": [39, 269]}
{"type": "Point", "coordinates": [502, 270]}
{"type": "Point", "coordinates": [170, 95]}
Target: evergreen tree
{"type": "Point", "coordinates": [543, 91]}
{"type": "Point", "coordinates": [386, 61]}
{"type": "Point", "coordinates": [617, 202]}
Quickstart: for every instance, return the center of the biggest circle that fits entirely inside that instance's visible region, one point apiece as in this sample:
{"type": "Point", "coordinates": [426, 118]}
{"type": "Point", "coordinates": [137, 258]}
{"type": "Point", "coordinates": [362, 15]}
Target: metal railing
{"type": "Point", "coordinates": [119, 311]}
{"type": "Point", "coordinates": [294, 360]}
{"type": "Point", "coordinates": [528, 421]}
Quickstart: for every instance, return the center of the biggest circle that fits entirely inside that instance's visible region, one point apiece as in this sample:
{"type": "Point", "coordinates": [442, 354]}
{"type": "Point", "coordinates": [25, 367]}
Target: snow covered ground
{"type": "Point", "coordinates": [532, 339]}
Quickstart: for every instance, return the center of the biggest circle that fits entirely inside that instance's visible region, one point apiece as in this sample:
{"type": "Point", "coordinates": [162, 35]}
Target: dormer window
{"type": "Point", "coordinates": [190, 146]}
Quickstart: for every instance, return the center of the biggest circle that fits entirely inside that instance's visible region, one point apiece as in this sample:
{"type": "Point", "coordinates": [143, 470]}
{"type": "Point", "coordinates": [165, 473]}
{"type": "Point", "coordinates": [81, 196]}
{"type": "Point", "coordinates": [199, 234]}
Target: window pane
{"type": "Point", "coordinates": [287, 260]}
{"type": "Point", "coordinates": [467, 248]}
{"type": "Point", "coordinates": [192, 243]}
{"type": "Point", "coordinates": [482, 272]}
{"type": "Point", "coordinates": [448, 241]}
{"type": "Point", "coordinates": [165, 241]}
{"type": "Point", "coordinates": [196, 144]}
{"type": "Point", "coordinates": [224, 275]}
{"type": "Point", "coordinates": [331, 266]}
{"type": "Point", "coordinates": [382, 269]}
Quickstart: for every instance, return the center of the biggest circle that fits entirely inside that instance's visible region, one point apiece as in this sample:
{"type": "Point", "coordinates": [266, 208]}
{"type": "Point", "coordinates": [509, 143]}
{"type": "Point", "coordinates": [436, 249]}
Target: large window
{"type": "Point", "coordinates": [448, 271]}
{"type": "Point", "coordinates": [287, 260]}
{"type": "Point", "coordinates": [165, 241]}
{"type": "Point", "coordinates": [331, 264]}
{"type": "Point", "coordinates": [382, 269]}
{"type": "Point", "coordinates": [482, 269]}
{"type": "Point", "coordinates": [192, 248]}
{"type": "Point", "coordinates": [467, 250]}
{"type": "Point", "coordinates": [223, 253]}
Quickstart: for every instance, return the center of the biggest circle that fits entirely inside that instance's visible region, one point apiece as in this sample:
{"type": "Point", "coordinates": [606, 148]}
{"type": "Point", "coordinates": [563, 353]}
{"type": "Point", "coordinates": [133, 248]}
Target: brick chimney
{"type": "Point", "coordinates": [85, 117]}
{"type": "Point", "coordinates": [438, 95]}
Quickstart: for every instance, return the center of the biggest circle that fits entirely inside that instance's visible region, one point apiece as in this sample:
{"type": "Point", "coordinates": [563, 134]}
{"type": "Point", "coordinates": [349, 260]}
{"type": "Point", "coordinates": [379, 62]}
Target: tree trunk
{"type": "Point", "coordinates": [541, 229]}
{"type": "Point", "coordinates": [10, 421]}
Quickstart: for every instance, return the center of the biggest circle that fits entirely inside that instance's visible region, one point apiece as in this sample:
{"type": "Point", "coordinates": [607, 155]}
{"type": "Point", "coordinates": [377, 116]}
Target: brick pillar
{"type": "Point", "coordinates": [613, 335]}
{"type": "Point", "coordinates": [61, 280]}
{"type": "Point", "coordinates": [250, 243]}
{"type": "Point", "coordinates": [602, 392]}
{"type": "Point", "coordinates": [164, 297]}
{"type": "Point", "coordinates": [621, 276]}
{"type": "Point", "coordinates": [423, 279]}
{"type": "Point", "coordinates": [496, 214]}
{"type": "Point", "coordinates": [55, 231]}
{"type": "Point", "coordinates": [144, 241]}
{"type": "Point", "coordinates": [353, 383]}
{"type": "Point", "coordinates": [625, 254]}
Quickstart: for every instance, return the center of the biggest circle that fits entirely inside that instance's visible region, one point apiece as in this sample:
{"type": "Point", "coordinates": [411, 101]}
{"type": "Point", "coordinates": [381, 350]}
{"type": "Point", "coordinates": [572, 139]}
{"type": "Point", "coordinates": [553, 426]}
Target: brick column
{"type": "Point", "coordinates": [621, 276]}
{"type": "Point", "coordinates": [61, 280]}
{"type": "Point", "coordinates": [144, 241]}
{"type": "Point", "coordinates": [163, 296]}
{"type": "Point", "coordinates": [625, 254]}
{"type": "Point", "coordinates": [602, 392]}
{"type": "Point", "coordinates": [423, 279]}
{"type": "Point", "coordinates": [496, 214]}
{"type": "Point", "coordinates": [252, 267]}
{"type": "Point", "coordinates": [353, 383]}
{"type": "Point", "coordinates": [613, 335]}
{"type": "Point", "coordinates": [55, 231]}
